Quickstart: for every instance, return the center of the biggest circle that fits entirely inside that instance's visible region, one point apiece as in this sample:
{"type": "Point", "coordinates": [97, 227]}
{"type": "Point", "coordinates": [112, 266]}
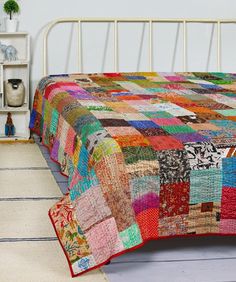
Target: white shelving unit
{"type": "Point", "coordinates": [15, 69]}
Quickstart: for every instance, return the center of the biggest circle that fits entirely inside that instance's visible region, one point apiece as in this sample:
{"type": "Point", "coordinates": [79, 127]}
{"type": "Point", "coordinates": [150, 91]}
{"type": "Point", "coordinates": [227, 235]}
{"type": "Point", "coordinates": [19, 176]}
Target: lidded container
{"type": "Point", "coordinates": [15, 92]}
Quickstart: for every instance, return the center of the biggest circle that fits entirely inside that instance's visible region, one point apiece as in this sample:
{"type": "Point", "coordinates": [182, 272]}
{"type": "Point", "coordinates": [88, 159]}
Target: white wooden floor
{"type": "Point", "coordinates": [208, 259]}
{"type": "Point", "coordinates": [178, 260]}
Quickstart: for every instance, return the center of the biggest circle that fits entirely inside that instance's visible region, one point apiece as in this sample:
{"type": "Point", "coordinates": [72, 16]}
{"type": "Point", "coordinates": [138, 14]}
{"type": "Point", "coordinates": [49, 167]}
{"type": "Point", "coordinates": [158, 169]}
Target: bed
{"type": "Point", "coordinates": [148, 156]}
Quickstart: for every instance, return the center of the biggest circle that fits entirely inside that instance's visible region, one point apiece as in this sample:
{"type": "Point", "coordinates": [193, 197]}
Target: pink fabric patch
{"type": "Point", "coordinates": [122, 131]}
{"type": "Point", "coordinates": [91, 208]}
{"type": "Point", "coordinates": [148, 201]}
{"type": "Point", "coordinates": [70, 86]}
{"type": "Point", "coordinates": [104, 240]}
{"type": "Point", "coordinates": [167, 121]}
{"type": "Point", "coordinates": [173, 86]}
{"type": "Point", "coordinates": [228, 226]}
{"type": "Point", "coordinates": [75, 179]}
{"type": "Point", "coordinates": [70, 141]}
{"type": "Point", "coordinates": [175, 78]}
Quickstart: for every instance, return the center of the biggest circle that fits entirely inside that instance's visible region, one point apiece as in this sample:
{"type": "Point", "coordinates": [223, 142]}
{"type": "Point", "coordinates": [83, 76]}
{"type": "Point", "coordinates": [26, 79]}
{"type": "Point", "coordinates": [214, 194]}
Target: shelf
{"type": "Point", "coordinates": [23, 108]}
{"type": "Point", "coordinates": [13, 138]}
{"type": "Point", "coordinates": [14, 63]}
{"type": "Point", "coordinates": [14, 33]}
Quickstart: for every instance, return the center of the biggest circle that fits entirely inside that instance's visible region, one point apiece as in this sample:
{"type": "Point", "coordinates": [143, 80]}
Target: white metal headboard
{"type": "Point", "coordinates": [116, 22]}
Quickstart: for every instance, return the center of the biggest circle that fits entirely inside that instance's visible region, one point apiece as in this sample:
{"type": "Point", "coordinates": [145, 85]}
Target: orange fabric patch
{"type": "Point", "coordinates": [199, 110]}
{"type": "Point", "coordinates": [178, 99]}
{"type": "Point", "coordinates": [204, 126]}
{"type": "Point", "coordinates": [232, 118]}
{"type": "Point", "coordinates": [148, 223]}
{"type": "Point", "coordinates": [128, 97]}
{"type": "Point", "coordinates": [128, 140]}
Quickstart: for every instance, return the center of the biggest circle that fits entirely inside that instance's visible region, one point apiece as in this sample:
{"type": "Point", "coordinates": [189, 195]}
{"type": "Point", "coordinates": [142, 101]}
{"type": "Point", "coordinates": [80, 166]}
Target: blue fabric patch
{"type": "Point", "coordinates": [229, 172]}
{"type": "Point", "coordinates": [83, 161]}
{"type": "Point", "coordinates": [83, 120]}
{"type": "Point", "coordinates": [205, 186]}
{"type": "Point", "coordinates": [211, 86]}
{"type": "Point", "coordinates": [225, 124]}
{"type": "Point", "coordinates": [32, 119]}
{"type": "Point", "coordinates": [143, 124]}
{"type": "Point", "coordinates": [135, 77]}
{"type": "Point", "coordinates": [83, 185]}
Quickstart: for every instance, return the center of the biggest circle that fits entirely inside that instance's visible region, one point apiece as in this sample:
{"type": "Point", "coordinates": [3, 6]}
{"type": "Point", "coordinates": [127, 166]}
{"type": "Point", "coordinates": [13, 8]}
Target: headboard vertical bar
{"type": "Point", "coordinates": [45, 50]}
{"type": "Point", "coordinates": [218, 46]}
{"type": "Point", "coordinates": [150, 46]}
{"type": "Point", "coordinates": [116, 45]}
{"type": "Point", "coordinates": [184, 45]}
{"type": "Point", "coordinates": [79, 46]}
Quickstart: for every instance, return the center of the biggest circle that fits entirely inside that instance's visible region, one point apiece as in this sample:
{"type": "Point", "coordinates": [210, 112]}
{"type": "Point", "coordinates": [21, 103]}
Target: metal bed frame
{"type": "Point", "coordinates": [116, 22]}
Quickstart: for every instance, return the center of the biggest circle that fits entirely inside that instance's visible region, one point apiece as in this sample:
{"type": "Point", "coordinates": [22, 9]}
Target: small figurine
{"type": "Point", "coordinates": [9, 51]}
{"type": "Point", "coordinates": [9, 126]}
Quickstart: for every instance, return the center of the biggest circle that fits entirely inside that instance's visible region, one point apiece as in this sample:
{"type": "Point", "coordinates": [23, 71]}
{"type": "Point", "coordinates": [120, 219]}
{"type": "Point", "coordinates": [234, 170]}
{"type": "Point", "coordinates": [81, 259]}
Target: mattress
{"type": "Point", "coordinates": [147, 155]}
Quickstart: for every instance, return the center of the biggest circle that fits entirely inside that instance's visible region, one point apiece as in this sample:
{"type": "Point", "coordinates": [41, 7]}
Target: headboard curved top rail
{"type": "Point", "coordinates": [116, 21]}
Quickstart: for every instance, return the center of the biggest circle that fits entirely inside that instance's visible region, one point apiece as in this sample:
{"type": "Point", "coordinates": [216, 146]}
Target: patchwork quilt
{"type": "Point", "coordinates": [147, 155]}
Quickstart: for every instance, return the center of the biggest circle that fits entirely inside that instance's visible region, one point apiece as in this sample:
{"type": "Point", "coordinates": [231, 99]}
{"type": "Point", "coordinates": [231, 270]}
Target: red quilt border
{"type": "Point", "coordinates": [135, 247]}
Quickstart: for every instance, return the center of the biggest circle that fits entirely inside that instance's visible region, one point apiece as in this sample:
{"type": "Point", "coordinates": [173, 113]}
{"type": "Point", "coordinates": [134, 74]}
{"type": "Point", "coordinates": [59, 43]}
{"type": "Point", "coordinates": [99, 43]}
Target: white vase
{"type": "Point", "coordinates": [11, 25]}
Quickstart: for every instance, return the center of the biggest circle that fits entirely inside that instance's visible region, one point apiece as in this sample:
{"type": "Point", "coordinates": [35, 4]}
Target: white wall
{"type": "Point", "coordinates": [98, 56]}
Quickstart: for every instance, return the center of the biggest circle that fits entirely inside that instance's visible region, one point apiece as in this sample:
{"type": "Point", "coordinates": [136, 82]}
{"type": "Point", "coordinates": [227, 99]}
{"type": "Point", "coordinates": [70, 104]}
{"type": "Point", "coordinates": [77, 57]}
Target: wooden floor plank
{"type": "Point", "coordinates": [38, 262]}
{"type": "Point", "coordinates": [178, 260]}
{"type": "Point", "coordinates": [189, 271]}
{"type": "Point", "coordinates": [183, 249]}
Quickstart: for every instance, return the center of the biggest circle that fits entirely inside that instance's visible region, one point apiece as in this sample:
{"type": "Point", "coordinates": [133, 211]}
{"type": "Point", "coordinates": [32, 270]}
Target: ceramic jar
{"type": "Point", "coordinates": [15, 92]}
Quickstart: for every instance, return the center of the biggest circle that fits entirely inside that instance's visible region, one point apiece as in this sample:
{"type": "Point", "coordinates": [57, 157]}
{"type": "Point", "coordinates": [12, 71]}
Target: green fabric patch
{"type": "Point", "coordinates": [158, 114]}
{"type": "Point", "coordinates": [41, 125]}
{"type": "Point", "coordinates": [46, 136]}
{"type": "Point", "coordinates": [54, 121]}
{"type": "Point", "coordinates": [175, 129]}
{"type": "Point", "coordinates": [221, 75]}
{"type": "Point", "coordinates": [47, 110]}
{"type": "Point", "coordinates": [106, 147]}
{"type": "Point", "coordinates": [227, 113]}
{"type": "Point", "coordinates": [139, 153]}
{"type": "Point", "coordinates": [113, 87]}
{"type": "Point", "coordinates": [89, 129]}
{"type": "Point", "coordinates": [61, 155]}
{"type": "Point", "coordinates": [131, 236]}
{"type": "Point", "coordinates": [221, 81]}
{"type": "Point", "coordinates": [229, 94]}
{"type": "Point", "coordinates": [99, 108]}
{"type": "Point", "coordinates": [144, 83]}
{"type": "Point", "coordinates": [158, 90]}
{"type": "Point", "coordinates": [194, 97]}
